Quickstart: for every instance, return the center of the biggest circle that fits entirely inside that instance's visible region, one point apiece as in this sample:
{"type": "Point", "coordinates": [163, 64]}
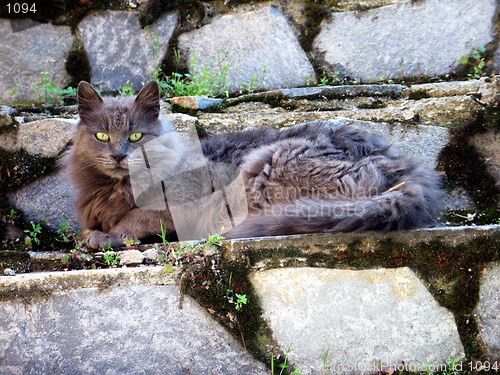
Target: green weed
{"type": "Point", "coordinates": [215, 240]}
{"type": "Point", "coordinates": [47, 92]}
{"type": "Point", "coordinates": [33, 233]}
{"type": "Point", "coordinates": [238, 300]}
{"type": "Point", "coordinates": [284, 365]}
{"type": "Point", "coordinates": [475, 62]}
{"type": "Point", "coordinates": [325, 361]}
{"type": "Point", "coordinates": [163, 234]}
{"type": "Point", "coordinates": [127, 89]}
{"type": "Point", "coordinates": [254, 83]}
{"type": "Point", "coordinates": [110, 257]}
{"type": "Point", "coordinates": [211, 80]}
{"type": "Point", "coordinates": [78, 259]}
{"type": "Point", "coordinates": [65, 232]}
{"type": "Point", "coordinates": [131, 242]}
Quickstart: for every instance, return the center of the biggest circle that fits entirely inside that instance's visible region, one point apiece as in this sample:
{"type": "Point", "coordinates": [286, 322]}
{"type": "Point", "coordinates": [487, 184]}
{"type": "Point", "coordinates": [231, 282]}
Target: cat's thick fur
{"type": "Point", "coordinates": [304, 179]}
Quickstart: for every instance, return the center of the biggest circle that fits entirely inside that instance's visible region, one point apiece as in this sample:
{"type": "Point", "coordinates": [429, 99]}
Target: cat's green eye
{"type": "Point", "coordinates": [103, 137]}
{"type": "Point", "coordinates": [135, 137]}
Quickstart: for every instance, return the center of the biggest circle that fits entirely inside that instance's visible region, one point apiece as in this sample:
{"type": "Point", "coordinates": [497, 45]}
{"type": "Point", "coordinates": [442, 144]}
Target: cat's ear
{"type": "Point", "coordinates": [88, 99]}
{"type": "Point", "coordinates": [147, 102]}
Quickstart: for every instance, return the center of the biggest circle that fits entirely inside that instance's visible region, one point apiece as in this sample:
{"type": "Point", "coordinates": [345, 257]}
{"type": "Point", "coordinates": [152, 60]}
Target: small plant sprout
{"type": "Point", "coordinates": [110, 257]}
{"type": "Point", "coordinates": [131, 242]}
{"type": "Point", "coordinates": [163, 234]}
{"type": "Point", "coordinates": [325, 361]}
{"type": "Point", "coordinates": [330, 79]}
{"type": "Point", "coordinates": [77, 259]}
{"type": "Point", "coordinates": [215, 240]}
{"type": "Point", "coordinates": [11, 217]}
{"type": "Point", "coordinates": [127, 89]}
{"type": "Point", "coordinates": [65, 232]}
{"type": "Point", "coordinates": [33, 233]}
{"type": "Point", "coordinates": [476, 61]}
{"type": "Point", "coordinates": [238, 300]}
{"type": "Point", "coordinates": [50, 93]}
{"type": "Point", "coordinates": [283, 366]}
{"type": "Point", "coordinates": [453, 366]}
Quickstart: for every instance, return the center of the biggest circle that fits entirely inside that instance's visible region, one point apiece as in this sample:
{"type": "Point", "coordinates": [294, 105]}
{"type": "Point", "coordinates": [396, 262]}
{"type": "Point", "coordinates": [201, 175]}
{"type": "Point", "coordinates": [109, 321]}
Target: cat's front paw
{"type": "Point", "coordinates": [96, 239]}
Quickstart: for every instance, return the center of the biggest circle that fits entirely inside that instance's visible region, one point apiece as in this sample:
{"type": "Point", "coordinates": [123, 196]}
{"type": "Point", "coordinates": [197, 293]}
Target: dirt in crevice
{"type": "Point", "coordinates": [465, 166]}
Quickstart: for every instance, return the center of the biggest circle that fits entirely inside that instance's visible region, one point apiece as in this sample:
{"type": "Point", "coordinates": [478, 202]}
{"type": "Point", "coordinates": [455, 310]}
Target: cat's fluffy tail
{"type": "Point", "coordinates": [407, 205]}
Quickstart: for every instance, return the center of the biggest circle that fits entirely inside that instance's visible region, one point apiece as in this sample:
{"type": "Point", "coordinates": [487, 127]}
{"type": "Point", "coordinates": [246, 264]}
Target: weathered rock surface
{"type": "Point", "coordinates": [488, 145]}
{"type": "Point", "coordinates": [443, 30]}
{"type": "Point", "coordinates": [5, 115]}
{"type": "Point", "coordinates": [48, 198]}
{"type": "Point", "coordinates": [421, 141]}
{"type": "Point", "coordinates": [496, 60]}
{"type": "Point", "coordinates": [120, 51]}
{"type": "Point", "coordinates": [487, 310]}
{"type": "Point", "coordinates": [444, 104]}
{"type": "Point", "coordinates": [442, 89]}
{"type": "Point", "coordinates": [47, 138]}
{"type": "Point", "coordinates": [353, 5]}
{"type": "Point", "coordinates": [195, 102]}
{"type": "Point", "coordinates": [360, 318]}
{"type": "Point", "coordinates": [130, 257]}
{"type": "Point", "coordinates": [26, 55]}
{"type": "Point", "coordinates": [180, 121]}
{"type": "Point", "coordinates": [151, 254]}
{"type": "Point", "coordinates": [259, 46]}
{"type": "Point", "coordinates": [133, 329]}
{"type": "Point", "coordinates": [342, 306]}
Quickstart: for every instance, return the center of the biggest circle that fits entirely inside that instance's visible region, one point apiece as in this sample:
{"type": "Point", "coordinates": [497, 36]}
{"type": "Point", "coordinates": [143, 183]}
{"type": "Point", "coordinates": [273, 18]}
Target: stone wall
{"type": "Point", "coordinates": [272, 44]}
{"type": "Point", "coordinates": [415, 119]}
{"type": "Point", "coordinates": [339, 304]}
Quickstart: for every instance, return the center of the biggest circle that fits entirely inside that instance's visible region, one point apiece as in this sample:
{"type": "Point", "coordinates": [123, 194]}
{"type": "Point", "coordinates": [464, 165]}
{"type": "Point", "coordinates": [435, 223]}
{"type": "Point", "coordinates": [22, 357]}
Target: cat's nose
{"type": "Point", "coordinates": [119, 157]}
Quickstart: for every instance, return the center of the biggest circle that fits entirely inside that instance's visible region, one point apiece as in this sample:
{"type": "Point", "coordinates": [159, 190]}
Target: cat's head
{"type": "Point", "coordinates": [110, 129]}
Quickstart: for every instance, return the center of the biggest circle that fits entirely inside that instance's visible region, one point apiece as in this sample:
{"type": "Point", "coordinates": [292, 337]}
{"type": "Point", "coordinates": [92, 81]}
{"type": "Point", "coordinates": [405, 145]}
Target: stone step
{"type": "Point", "coordinates": [415, 119]}
{"type": "Point", "coordinates": [344, 304]}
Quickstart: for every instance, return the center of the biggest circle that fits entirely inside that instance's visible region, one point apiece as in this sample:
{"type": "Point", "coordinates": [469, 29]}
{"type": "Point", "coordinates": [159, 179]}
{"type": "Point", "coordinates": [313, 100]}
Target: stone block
{"type": "Point", "coordinates": [47, 138]}
{"type": "Point", "coordinates": [331, 311]}
{"type": "Point", "coordinates": [48, 198]}
{"type": "Point", "coordinates": [27, 55]}
{"type": "Point", "coordinates": [6, 115]}
{"type": "Point", "coordinates": [195, 102]}
{"type": "Point", "coordinates": [132, 329]}
{"type": "Point", "coordinates": [119, 50]}
{"type": "Point", "coordinates": [442, 89]}
{"type": "Point", "coordinates": [487, 310]}
{"type": "Point", "coordinates": [259, 47]}
{"type": "Point", "coordinates": [488, 144]}
{"type": "Point", "coordinates": [413, 38]}
{"type": "Point", "coordinates": [130, 257]}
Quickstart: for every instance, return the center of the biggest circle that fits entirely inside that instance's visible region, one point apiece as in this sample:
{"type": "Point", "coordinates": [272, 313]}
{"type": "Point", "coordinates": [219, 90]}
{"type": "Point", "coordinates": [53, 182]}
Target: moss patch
{"type": "Point", "coordinates": [77, 64]}
{"type": "Point", "coordinates": [465, 166]}
{"type": "Point", "coordinates": [17, 170]}
{"type": "Point", "coordinates": [449, 264]}
{"type": "Point", "coordinates": [212, 282]}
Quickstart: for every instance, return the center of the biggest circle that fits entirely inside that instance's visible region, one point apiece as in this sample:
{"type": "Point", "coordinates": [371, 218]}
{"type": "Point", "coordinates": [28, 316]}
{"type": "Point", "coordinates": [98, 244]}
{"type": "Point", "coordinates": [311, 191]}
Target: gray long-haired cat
{"type": "Point", "coordinates": [304, 179]}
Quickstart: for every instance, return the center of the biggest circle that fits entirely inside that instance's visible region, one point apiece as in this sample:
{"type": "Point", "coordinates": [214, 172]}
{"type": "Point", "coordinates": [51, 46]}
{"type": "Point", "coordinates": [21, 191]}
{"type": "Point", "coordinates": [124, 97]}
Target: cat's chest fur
{"type": "Point", "coordinates": [106, 205]}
